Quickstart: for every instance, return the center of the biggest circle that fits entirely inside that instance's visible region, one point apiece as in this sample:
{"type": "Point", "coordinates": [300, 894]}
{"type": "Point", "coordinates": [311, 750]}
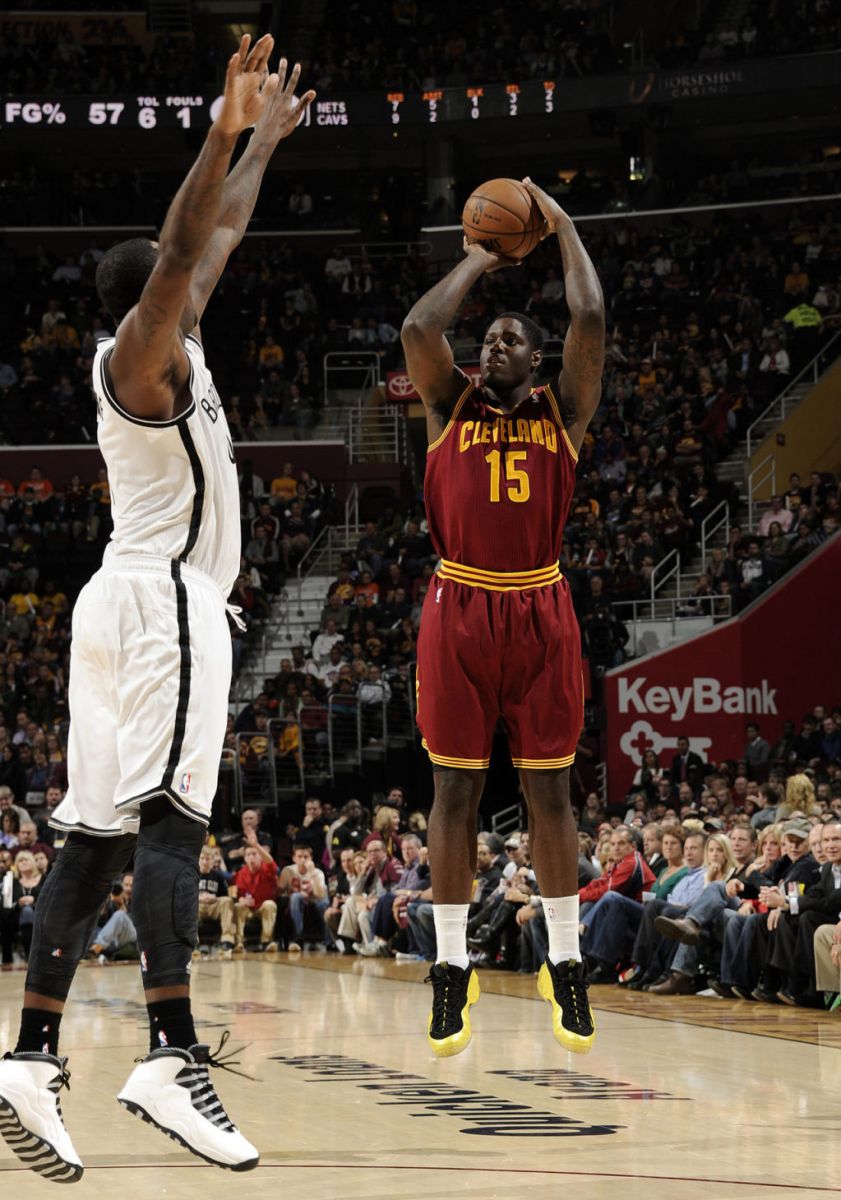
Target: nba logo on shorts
{"type": "Point", "coordinates": [184, 787]}
{"type": "Point", "coordinates": [438, 595]}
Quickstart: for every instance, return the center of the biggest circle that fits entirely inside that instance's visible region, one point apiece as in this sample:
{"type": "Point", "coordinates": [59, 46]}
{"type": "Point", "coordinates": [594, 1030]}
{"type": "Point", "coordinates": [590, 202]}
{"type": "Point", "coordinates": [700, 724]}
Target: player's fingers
{"type": "Point", "coordinates": [281, 71]}
{"type": "Point", "coordinates": [271, 85]}
{"type": "Point", "coordinates": [234, 65]}
{"type": "Point", "coordinates": [259, 53]}
{"type": "Point", "coordinates": [293, 80]}
{"type": "Point", "coordinates": [245, 42]}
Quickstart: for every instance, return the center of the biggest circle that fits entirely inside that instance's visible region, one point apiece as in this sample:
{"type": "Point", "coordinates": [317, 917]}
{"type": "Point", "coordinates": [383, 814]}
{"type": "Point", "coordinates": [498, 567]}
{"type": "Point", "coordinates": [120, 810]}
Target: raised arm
{"type": "Point", "coordinates": [429, 358]}
{"type": "Point", "coordinates": [149, 364]}
{"type": "Point", "coordinates": [581, 378]}
{"type": "Point", "coordinates": [280, 118]}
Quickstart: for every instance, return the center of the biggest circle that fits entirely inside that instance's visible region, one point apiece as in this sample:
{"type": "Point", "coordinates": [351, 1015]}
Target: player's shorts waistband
{"type": "Point", "coordinates": [157, 564]}
{"type": "Point", "coordinates": [499, 581]}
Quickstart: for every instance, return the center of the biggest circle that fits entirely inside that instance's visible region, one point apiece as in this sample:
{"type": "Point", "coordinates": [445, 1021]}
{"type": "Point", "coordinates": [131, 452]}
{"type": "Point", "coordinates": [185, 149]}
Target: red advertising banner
{"type": "Point", "coordinates": [400, 387]}
{"type": "Point", "coordinates": [773, 662]}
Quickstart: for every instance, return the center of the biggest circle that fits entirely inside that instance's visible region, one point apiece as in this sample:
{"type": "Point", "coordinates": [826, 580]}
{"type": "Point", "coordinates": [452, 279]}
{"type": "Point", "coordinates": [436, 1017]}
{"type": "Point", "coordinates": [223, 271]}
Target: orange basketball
{"type": "Point", "coordinates": [502, 215]}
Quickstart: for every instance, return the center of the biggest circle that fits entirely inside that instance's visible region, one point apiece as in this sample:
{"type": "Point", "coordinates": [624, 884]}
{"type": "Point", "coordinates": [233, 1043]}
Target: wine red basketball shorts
{"type": "Point", "coordinates": [499, 646]}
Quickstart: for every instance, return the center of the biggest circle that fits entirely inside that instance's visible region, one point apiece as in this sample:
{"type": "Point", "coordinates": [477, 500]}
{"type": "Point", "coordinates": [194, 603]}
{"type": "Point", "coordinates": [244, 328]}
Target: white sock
{"type": "Point", "coordinates": [451, 933]}
{"type": "Point", "coordinates": [562, 926]}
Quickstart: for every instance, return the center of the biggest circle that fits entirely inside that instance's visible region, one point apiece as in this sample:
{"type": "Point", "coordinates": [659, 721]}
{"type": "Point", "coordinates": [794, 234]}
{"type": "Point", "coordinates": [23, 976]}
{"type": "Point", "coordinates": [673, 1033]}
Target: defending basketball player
{"type": "Point", "coordinates": [151, 654]}
{"type": "Point", "coordinates": [498, 636]}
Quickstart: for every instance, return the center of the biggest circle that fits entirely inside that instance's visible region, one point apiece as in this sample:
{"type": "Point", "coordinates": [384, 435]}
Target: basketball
{"type": "Point", "coordinates": [502, 215]}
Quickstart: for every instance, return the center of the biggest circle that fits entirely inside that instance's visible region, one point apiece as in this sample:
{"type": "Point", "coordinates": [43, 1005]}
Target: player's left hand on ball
{"type": "Point", "coordinates": [495, 262]}
{"type": "Point", "coordinates": [284, 109]}
{"type": "Point", "coordinates": [552, 211]}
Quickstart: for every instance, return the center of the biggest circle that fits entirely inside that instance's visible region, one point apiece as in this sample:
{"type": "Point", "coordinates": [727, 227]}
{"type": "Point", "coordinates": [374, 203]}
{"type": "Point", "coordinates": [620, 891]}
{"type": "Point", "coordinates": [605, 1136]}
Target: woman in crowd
{"type": "Point", "coordinates": [9, 829]}
{"type": "Point", "coordinates": [386, 826]}
{"type": "Point", "coordinates": [800, 798]}
{"type": "Point", "coordinates": [648, 775]}
{"type": "Point", "coordinates": [719, 863]}
{"type": "Point", "coordinates": [25, 892]}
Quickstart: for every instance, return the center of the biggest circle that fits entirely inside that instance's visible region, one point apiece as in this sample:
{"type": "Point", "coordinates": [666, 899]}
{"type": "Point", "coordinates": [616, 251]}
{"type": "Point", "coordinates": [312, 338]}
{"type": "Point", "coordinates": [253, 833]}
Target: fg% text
{"type": "Point", "coordinates": [47, 112]}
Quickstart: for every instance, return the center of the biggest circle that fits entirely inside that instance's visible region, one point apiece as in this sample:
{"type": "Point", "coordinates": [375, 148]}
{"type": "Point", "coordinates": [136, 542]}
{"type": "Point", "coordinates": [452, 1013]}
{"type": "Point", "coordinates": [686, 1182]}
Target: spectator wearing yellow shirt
{"type": "Point", "coordinates": [796, 282]}
{"type": "Point", "coordinates": [270, 355]}
{"type": "Point", "coordinates": [285, 486]}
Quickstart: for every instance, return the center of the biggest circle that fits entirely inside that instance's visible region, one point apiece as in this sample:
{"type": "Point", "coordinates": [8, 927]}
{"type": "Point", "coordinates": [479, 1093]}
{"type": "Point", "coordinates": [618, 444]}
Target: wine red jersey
{"type": "Point", "coordinates": [498, 488]}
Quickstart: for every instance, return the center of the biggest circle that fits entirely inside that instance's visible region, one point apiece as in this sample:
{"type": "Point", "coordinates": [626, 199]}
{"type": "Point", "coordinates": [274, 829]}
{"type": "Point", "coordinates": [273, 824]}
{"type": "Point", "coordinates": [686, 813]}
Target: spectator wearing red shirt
{"type": "Point", "coordinates": [255, 886]}
{"type": "Point", "coordinates": [628, 874]}
{"type": "Point", "coordinates": [36, 488]}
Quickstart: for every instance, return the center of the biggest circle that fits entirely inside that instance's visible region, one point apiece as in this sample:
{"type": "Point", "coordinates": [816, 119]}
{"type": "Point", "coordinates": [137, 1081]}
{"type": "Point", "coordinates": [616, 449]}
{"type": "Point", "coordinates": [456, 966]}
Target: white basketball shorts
{"type": "Point", "coordinates": [150, 671]}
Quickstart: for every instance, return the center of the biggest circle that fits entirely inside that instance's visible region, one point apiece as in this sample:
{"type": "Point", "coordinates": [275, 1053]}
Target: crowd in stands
{"type": "Point", "coordinates": [403, 44]}
{"type": "Point", "coordinates": [59, 63]}
{"type": "Point", "coordinates": [400, 43]}
{"type": "Point", "coordinates": [277, 311]}
{"type": "Point", "coordinates": [718, 878]}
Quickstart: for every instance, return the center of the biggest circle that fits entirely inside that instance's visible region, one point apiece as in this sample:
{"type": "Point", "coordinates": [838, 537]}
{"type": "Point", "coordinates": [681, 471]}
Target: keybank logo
{"type": "Point", "coordinates": [703, 697]}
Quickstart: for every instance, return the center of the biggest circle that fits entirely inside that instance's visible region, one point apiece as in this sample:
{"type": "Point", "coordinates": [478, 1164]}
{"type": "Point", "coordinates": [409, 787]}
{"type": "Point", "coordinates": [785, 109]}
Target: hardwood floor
{"type": "Point", "coordinates": [680, 1096]}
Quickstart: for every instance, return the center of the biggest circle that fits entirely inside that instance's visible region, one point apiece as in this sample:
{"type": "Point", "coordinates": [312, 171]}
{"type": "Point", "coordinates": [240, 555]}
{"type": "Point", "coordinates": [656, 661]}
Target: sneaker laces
{"type": "Point", "coordinates": [196, 1079]}
{"type": "Point", "coordinates": [445, 991]}
{"type": "Point", "coordinates": [60, 1080]}
{"type": "Point", "coordinates": [571, 991]}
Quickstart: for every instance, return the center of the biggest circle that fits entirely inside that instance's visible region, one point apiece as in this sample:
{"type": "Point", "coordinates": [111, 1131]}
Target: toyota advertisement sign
{"type": "Point", "coordinates": [399, 386]}
{"type": "Point", "coordinates": [772, 663]}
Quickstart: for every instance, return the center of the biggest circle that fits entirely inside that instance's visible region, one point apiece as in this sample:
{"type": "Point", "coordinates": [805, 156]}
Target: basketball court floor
{"type": "Point", "coordinates": [681, 1097]}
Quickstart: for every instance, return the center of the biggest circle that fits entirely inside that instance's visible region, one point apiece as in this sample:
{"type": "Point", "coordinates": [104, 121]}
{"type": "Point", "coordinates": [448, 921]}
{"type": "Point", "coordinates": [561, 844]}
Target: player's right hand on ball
{"type": "Point", "coordinates": [248, 87]}
{"type": "Point", "coordinates": [495, 262]}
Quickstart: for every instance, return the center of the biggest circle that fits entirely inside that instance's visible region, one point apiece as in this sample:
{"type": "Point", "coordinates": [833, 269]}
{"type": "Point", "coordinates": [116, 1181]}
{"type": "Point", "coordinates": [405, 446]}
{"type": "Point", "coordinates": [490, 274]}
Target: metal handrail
{"type": "Point", "coordinates": [813, 367]}
{"type": "Point", "coordinates": [275, 727]}
{"type": "Point", "coordinates": [351, 512]}
{"type": "Point", "coordinates": [507, 819]}
{"type": "Point", "coordinates": [658, 577]}
{"type": "Point", "coordinates": [670, 608]}
{"type": "Point", "coordinates": [601, 781]}
{"type": "Point", "coordinates": [325, 534]}
{"type": "Point", "coordinates": [371, 364]}
{"type": "Point", "coordinates": [757, 479]}
{"type": "Point", "coordinates": [709, 531]}
{"type": "Point", "coordinates": [330, 721]}
{"type": "Point", "coordinates": [247, 734]}
{"type": "Point", "coordinates": [355, 250]}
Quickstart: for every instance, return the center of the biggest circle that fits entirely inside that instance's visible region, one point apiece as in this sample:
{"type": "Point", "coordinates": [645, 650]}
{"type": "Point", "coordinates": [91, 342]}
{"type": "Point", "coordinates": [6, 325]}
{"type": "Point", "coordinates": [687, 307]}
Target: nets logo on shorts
{"type": "Point", "coordinates": [184, 786]}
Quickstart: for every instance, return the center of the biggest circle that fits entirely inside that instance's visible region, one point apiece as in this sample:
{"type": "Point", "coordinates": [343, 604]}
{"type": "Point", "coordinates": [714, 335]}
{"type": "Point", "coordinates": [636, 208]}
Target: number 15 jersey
{"type": "Point", "coordinates": [498, 488]}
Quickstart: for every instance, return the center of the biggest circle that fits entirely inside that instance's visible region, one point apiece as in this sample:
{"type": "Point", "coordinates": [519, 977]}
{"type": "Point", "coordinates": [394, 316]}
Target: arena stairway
{"type": "Point", "coordinates": [734, 470]}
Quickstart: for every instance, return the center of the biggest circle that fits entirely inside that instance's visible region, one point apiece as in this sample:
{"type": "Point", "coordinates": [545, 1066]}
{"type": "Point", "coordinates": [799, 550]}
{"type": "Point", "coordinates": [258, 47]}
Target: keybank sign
{"type": "Point", "coordinates": [703, 697]}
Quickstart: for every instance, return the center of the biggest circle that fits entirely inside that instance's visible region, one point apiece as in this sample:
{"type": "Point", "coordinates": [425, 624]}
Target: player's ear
{"type": "Point", "coordinates": [536, 359]}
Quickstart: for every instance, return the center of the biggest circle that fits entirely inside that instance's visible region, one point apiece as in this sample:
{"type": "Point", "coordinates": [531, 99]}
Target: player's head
{"type": "Point", "coordinates": [512, 350]}
{"type": "Point", "coordinates": [123, 273]}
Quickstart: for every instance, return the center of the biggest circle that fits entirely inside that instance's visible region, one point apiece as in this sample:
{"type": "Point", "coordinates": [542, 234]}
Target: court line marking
{"type": "Point", "coordinates": [311, 1166]}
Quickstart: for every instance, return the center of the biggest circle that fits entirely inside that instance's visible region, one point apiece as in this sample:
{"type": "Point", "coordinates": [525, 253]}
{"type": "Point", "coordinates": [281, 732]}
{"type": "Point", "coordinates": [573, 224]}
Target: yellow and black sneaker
{"type": "Point", "coordinates": [453, 992]}
{"type": "Point", "coordinates": [565, 987]}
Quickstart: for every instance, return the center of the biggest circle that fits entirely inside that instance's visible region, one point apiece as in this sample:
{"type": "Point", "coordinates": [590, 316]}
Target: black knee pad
{"type": "Point", "coordinates": [66, 911]}
{"type": "Point", "coordinates": [165, 898]}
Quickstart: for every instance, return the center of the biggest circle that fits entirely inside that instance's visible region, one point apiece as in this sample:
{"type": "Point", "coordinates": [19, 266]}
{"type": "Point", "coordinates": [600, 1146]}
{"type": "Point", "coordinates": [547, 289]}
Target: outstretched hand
{"type": "Point", "coordinates": [552, 211]}
{"type": "Point", "coordinates": [248, 86]}
{"type": "Point", "coordinates": [493, 262]}
{"type": "Point", "coordinates": [284, 109]}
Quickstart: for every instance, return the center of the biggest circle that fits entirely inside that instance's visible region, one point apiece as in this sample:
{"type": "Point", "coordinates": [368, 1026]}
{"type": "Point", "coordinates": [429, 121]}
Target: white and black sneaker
{"type": "Point", "coordinates": [31, 1123]}
{"type": "Point", "coordinates": [171, 1089]}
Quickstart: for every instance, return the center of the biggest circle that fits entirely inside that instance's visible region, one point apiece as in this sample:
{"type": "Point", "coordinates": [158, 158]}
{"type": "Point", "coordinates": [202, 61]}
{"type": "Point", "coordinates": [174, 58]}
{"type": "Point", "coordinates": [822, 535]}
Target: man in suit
{"type": "Point", "coordinates": [687, 766]}
{"type": "Point", "coordinates": [793, 953]}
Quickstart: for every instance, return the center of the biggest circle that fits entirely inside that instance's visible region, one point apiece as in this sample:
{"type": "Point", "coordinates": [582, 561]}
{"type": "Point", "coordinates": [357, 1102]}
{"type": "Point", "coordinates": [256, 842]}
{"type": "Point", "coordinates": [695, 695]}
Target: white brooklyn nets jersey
{"type": "Point", "coordinates": [150, 660]}
{"type": "Point", "coordinates": [174, 489]}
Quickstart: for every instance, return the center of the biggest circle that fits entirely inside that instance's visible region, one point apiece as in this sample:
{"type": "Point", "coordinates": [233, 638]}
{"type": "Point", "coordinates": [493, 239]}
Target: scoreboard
{"type": "Point", "coordinates": [386, 109]}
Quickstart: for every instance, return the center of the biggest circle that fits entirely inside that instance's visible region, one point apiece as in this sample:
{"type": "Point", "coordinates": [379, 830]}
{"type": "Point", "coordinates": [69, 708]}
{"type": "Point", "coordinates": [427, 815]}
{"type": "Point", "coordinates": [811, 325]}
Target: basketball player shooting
{"type": "Point", "coordinates": [498, 636]}
{"type": "Point", "coordinates": [151, 654]}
